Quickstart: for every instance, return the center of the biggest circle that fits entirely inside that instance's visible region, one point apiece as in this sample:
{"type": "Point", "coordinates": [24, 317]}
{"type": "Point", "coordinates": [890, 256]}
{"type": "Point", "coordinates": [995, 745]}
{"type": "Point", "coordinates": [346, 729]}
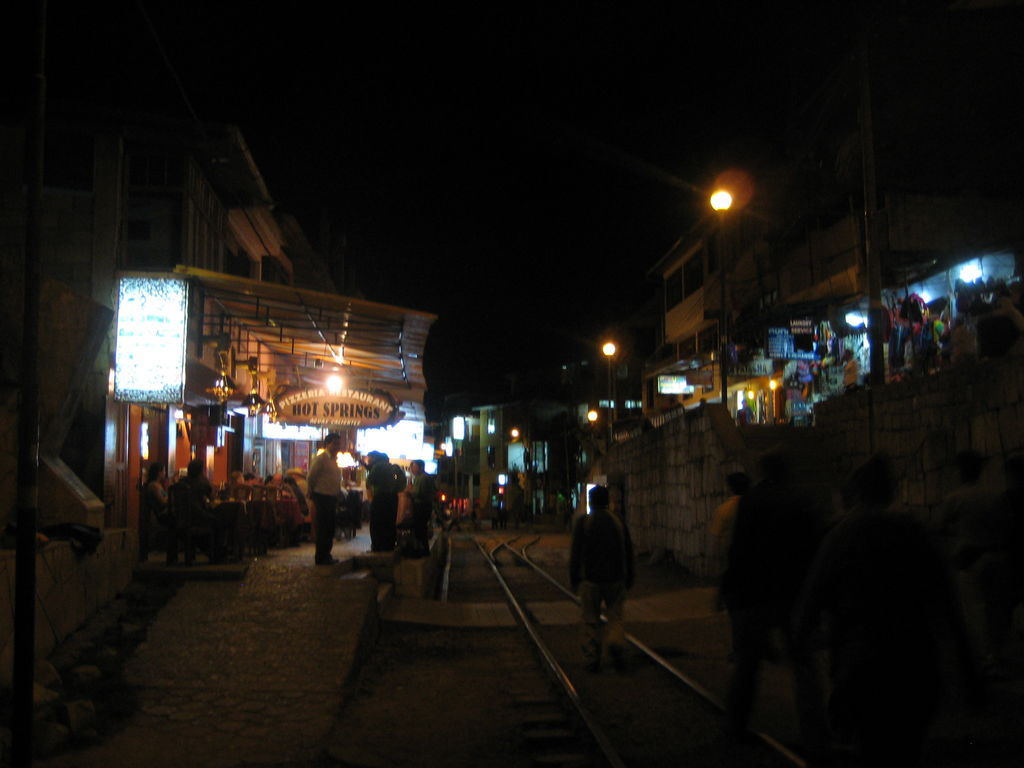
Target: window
{"type": "Point", "coordinates": [273, 272]}
{"type": "Point", "coordinates": [137, 229]}
{"type": "Point", "coordinates": [708, 339]}
{"type": "Point", "coordinates": [688, 347]}
{"type": "Point", "coordinates": [68, 162]}
{"type": "Point", "coordinates": [237, 263]}
{"type": "Point", "coordinates": [673, 289]}
{"type": "Point", "coordinates": [693, 275]}
{"type": "Point", "coordinates": [154, 171]}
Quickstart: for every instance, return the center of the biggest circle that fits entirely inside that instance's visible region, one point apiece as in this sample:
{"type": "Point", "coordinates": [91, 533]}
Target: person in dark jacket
{"type": "Point", "coordinates": [600, 571]}
{"type": "Point", "coordinates": [774, 540]}
{"type": "Point", "coordinates": [894, 623]}
{"type": "Point", "coordinates": [383, 486]}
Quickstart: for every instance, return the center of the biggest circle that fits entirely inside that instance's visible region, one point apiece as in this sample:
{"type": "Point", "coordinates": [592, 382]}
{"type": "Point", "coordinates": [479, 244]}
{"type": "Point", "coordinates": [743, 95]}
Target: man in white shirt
{"type": "Point", "coordinates": [324, 481]}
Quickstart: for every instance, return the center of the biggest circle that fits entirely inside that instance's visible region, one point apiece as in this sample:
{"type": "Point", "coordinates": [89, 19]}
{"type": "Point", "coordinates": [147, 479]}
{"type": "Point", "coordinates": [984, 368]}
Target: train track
{"type": "Point", "coordinates": [609, 715]}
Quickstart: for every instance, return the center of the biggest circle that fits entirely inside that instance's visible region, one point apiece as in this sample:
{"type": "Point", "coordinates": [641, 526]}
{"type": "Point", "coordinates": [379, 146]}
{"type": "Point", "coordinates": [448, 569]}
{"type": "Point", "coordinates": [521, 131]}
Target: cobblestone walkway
{"type": "Point", "coordinates": [244, 672]}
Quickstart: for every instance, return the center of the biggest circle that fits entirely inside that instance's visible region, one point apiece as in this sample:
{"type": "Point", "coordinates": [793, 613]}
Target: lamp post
{"type": "Point", "coordinates": [721, 201]}
{"type": "Point", "coordinates": [609, 349]}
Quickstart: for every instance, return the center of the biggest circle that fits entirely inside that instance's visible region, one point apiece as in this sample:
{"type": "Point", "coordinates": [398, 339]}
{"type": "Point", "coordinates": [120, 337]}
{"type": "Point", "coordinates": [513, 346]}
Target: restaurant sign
{"type": "Point", "coordinates": [149, 349]}
{"type": "Point", "coordinates": [348, 408]}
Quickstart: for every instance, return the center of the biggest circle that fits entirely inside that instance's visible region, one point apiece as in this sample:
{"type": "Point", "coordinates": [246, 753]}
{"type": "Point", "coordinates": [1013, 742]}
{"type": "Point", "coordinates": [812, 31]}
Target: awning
{"type": "Point", "coordinates": [309, 333]}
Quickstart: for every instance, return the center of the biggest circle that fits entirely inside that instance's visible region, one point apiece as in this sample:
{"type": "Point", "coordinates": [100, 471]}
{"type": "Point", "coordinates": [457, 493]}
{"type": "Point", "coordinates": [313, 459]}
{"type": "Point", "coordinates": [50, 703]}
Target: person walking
{"type": "Point", "coordinates": [421, 491]}
{"type": "Point", "coordinates": [720, 530]}
{"type": "Point", "coordinates": [384, 482]}
{"type": "Point", "coordinates": [774, 539]}
{"type": "Point", "coordinates": [891, 609]}
{"type": "Point", "coordinates": [324, 480]}
{"type": "Point", "coordinates": [514, 500]}
{"type": "Point", "coordinates": [975, 523]}
{"type": "Point", "coordinates": [601, 570]}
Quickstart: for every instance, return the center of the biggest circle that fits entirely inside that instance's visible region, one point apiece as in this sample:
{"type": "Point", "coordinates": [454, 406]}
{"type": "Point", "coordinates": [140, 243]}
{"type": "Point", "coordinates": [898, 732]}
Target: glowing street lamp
{"type": "Point", "coordinates": [591, 415]}
{"type": "Point", "coordinates": [514, 433]}
{"type": "Point", "coordinates": [721, 200]}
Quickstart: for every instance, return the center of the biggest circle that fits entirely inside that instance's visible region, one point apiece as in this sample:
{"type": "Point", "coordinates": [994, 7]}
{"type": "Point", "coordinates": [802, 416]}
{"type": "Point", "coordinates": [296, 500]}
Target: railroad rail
{"type": "Point", "coordinates": [656, 658]}
{"type": "Point", "coordinates": [605, 749]}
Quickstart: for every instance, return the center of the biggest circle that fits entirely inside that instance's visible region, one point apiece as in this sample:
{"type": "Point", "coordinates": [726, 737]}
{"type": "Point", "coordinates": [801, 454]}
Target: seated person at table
{"type": "Point", "coordinates": [218, 523]}
{"type": "Point", "coordinates": [154, 500]}
{"type": "Point", "coordinates": [238, 489]}
{"type": "Point", "coordinates": [275, 487]}
{"type": "Point", "coordinates": [195, 477]}
{"type": "Point", "coordinates": [292, 490]}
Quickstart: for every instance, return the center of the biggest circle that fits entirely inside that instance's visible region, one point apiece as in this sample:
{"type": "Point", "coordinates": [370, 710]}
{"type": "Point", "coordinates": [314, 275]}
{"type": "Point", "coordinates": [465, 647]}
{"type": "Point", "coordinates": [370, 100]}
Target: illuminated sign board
{"type": "Point", "coordinates": [150, 342]}
{"type": "Point", "coordinates": [403, 440]}
{"type": "Point", "coordinates": [347, 408]}
{"type": "Point", "coordinates": [674, 385]}
{"type": "Point", "coordinates": [783, 345]}
{"type": "Point", "coordinates": [276, 431]}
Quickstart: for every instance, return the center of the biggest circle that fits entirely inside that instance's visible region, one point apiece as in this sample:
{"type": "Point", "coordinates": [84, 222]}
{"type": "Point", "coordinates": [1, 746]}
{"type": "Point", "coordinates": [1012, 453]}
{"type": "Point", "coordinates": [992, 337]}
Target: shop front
{"type": "Point", "coordinates": [248, 376]}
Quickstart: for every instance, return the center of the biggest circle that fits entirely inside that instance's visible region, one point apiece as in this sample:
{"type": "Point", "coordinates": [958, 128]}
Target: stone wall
{"type": "Point", "coordinates": [923, 423]}
{"type": "Point", "coordinates": [674, 477]}
{"type": "Point", "coordinates": [70, 588]}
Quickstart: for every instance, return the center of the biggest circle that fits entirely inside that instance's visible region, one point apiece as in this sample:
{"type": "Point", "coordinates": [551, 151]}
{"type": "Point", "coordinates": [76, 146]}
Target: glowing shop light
{"type": "Point", "coordinates": [970, 272]}
{"type": "Point", "coordinates": [502, 479]}
{"type": "Point", "coordinates": [773, 385]}
{"type": "Point", "coordinates": [750, 394]}
{"type": "Point", "coordinates": [855, 320]}
{"type": "Point", "coordinates": [459, 428]}
{"type": "Point", "coordinates": [514, 433]}
{"type": "Point", "coordinates": [591, 416]}
{"type": "Point", "coordinates": [925, 297]}
{"type": "Point", "coordinates": [346, 460]}
{"type": "Point", "coordinates": [334, 384]}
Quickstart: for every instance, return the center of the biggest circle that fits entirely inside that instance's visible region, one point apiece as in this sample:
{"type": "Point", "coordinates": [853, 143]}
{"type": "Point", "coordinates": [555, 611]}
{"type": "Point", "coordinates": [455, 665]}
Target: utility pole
{"type": "Point", "coordinates": [872, 255]}
{"type": "Point", "coordinates": [28, 414]}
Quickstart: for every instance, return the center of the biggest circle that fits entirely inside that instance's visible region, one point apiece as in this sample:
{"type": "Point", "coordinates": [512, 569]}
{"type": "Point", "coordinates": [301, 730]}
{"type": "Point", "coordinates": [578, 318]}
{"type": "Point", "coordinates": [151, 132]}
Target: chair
{"type": "Point", "coordinates": [187, 513]}
{"type": "Point", "coordinates": [241, 492]}
{"type": "Point", "coordinates": [262, 524]}
{"type": "Point", "coordinates": [230, 515]}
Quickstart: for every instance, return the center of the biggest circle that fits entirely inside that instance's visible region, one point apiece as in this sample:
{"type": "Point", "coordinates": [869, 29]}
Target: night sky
{"type": "Point", "coordinates": [515, 168]}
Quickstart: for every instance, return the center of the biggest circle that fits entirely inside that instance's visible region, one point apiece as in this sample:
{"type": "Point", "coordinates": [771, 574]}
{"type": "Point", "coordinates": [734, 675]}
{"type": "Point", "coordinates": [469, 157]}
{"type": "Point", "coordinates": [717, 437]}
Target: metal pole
{"type": "Point", "coordinates": [28, 415]}
{"type": "Point", "coordinates": [872, 258]}
{"type": "Point", "coordinates": [611, 412]}
{"type": "Point", "coordinates": [723, 327]}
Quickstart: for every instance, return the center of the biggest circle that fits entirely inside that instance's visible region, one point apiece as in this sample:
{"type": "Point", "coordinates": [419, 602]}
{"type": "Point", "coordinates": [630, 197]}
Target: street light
{"type": "Point", "coordinates": [609, 349]}
{"type": "Point", "coordinates": [721, 201]}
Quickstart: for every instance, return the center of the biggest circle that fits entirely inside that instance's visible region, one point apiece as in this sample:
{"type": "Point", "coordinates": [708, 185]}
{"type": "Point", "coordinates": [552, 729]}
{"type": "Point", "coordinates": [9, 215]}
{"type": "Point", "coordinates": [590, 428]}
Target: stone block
{"type": "Point", "coordinates": [79, 716]}
{"type": "Point", "coordinates": [49, 738]}
{"type": "Point", "coordinates": [46, 675]}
